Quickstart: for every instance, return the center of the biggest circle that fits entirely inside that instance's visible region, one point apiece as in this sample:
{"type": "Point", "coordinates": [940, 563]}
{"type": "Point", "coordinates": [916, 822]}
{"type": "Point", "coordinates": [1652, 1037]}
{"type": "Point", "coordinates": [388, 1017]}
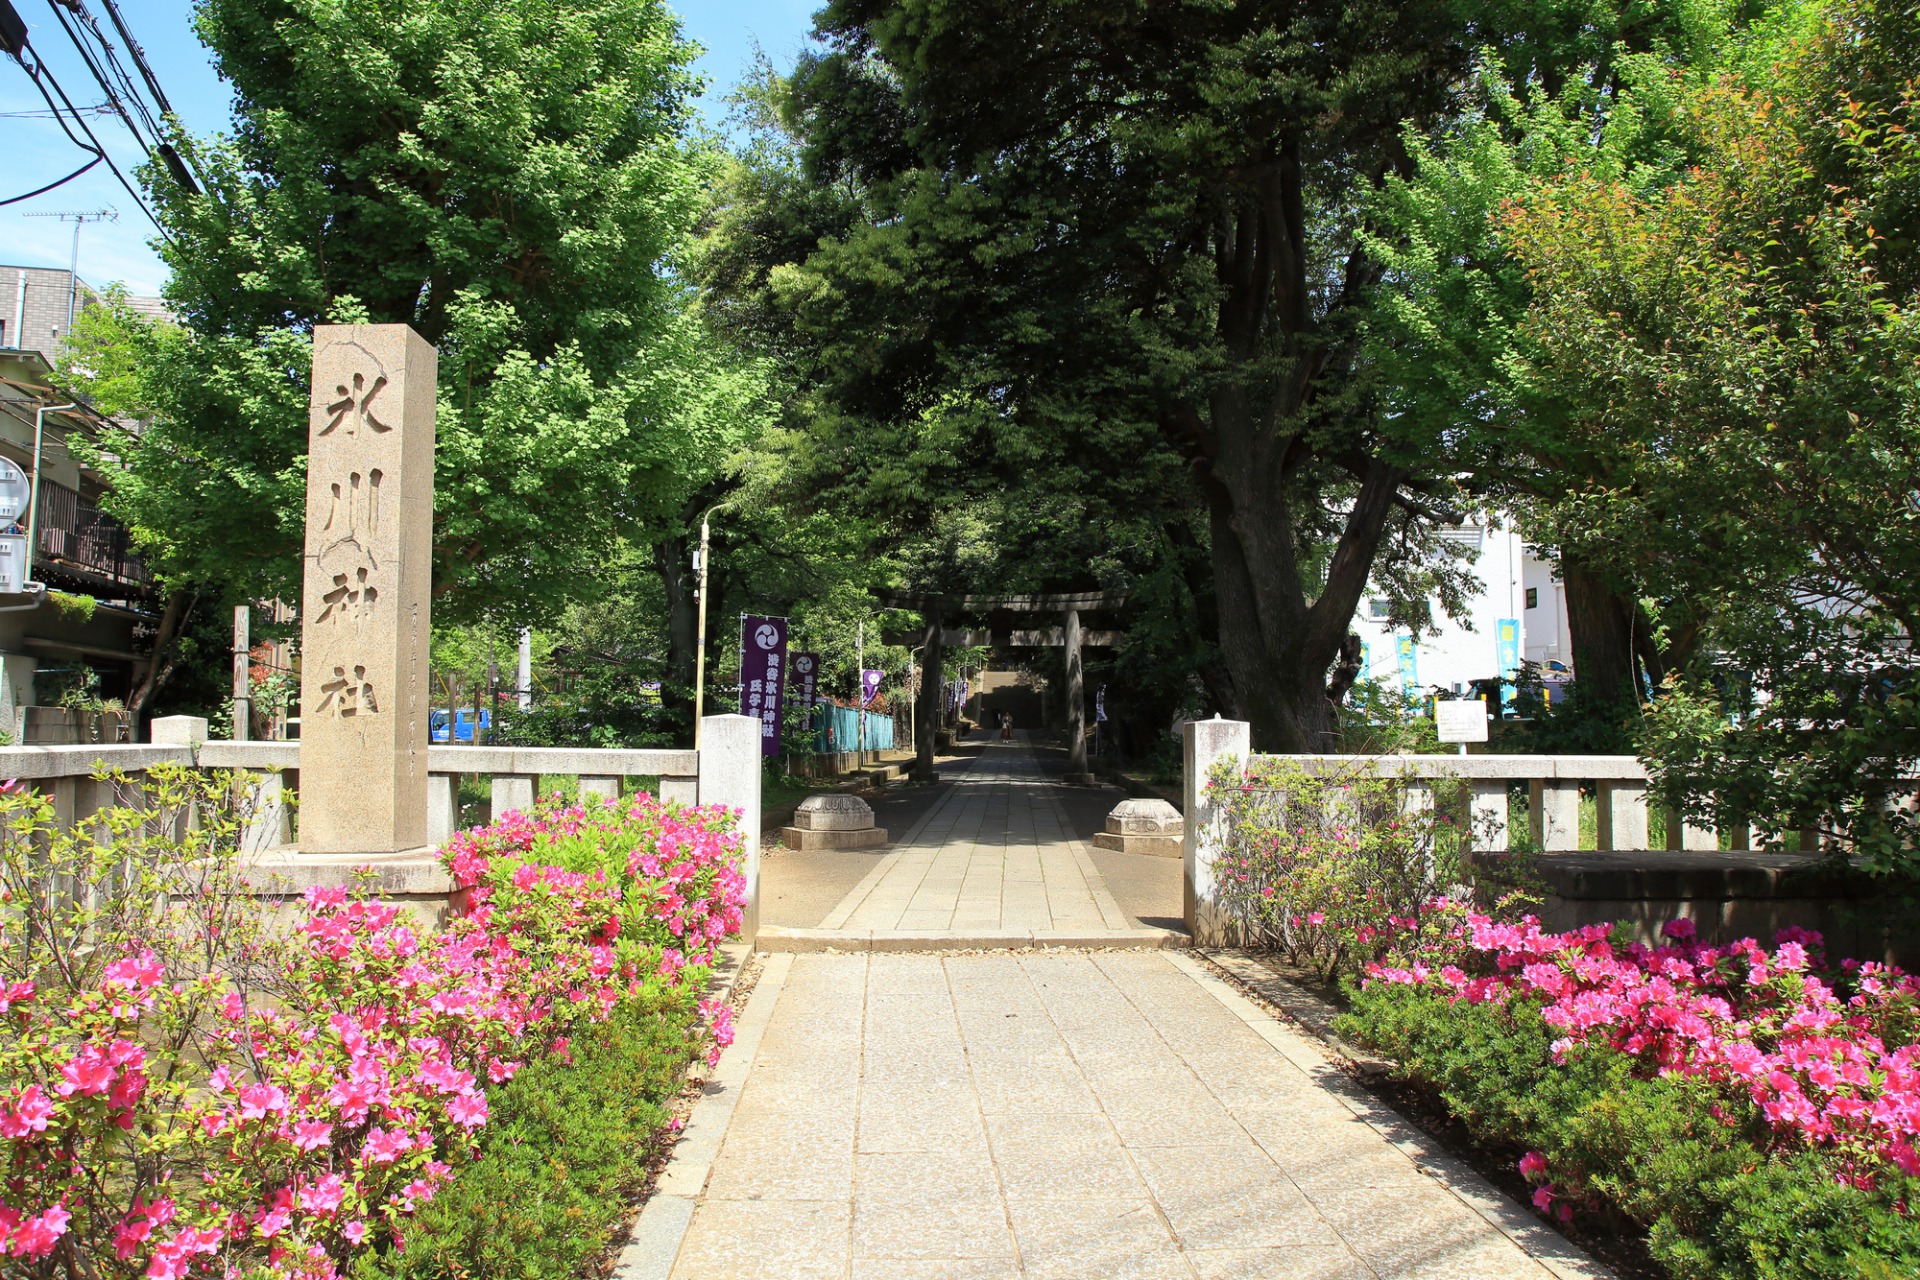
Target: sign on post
{"type": "Point", "coordinates": [1461, 720]}
{"type": "Point", "coordinates": [870, 686]}
{"type": "Point", "coordinates": [763, 669]}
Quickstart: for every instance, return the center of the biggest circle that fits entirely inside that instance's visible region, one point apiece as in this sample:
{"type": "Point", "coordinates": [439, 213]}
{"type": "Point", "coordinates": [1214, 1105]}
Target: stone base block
{"type": "Point", "coordinates": [923, 778]}
{"type": "Point", "coordinates": [414, 879]}
{"type": "Point", "coordinates": [808, 841]}
{"type": "Point", "coordinates": [1152, 846]}
{"type": "Point", "coordinates": [1080, 780]}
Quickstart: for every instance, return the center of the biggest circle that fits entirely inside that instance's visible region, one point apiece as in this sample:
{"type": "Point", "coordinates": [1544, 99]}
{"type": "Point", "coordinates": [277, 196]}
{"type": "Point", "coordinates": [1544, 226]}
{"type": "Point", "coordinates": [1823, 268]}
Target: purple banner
{"type": "Point", "coordinates": [763, 670]}
{"type": "Point", "coordinates": [803, 676]}
{"type": "Point", "coordinates": [869, 687]}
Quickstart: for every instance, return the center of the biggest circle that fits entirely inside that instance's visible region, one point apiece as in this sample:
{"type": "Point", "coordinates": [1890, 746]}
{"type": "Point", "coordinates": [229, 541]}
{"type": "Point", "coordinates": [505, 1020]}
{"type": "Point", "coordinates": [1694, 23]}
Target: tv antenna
{"type": "Point", "coordinates": [79, 218]}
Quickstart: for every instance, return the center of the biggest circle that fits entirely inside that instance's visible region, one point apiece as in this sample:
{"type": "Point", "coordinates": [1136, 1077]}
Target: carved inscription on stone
{"type": "Point", "coordinates": [354, 407]}
{"type": "Point", "coordinates": [366, 594]}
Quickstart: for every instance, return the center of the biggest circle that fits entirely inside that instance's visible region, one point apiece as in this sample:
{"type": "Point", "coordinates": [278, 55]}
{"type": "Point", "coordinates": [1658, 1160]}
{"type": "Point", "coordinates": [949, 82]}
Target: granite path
{"type": "Point", "coordinates": [1043, 1113]}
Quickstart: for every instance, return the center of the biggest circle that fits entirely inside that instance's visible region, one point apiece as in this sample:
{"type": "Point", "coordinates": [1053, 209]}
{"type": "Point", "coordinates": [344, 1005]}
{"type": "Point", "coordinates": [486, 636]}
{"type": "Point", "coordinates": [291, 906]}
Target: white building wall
{"type": "Point", "coordinates": [1468, 649]}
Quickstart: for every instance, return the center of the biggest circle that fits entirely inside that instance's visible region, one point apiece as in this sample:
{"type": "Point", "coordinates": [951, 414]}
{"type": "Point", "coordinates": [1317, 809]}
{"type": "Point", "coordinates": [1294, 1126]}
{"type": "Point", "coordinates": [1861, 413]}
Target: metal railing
{"type": "Point", "coordinates": [72, 528]}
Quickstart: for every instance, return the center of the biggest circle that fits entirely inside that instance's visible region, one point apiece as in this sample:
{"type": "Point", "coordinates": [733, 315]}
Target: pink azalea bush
{"type": "Point", "coordinates": [1838, 1071]}
{"type": "Point", "coordinates": [1758, 1110]}
{"type": "Point", "coordinates": [216, 1100]}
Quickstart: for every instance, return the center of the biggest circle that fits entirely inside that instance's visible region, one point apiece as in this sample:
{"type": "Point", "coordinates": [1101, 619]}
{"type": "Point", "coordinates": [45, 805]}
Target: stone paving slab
{"type": "Point", "coordinates": [1077, 1116]}
{"type": "Point", "coordinates": [805, 941]}
{"type": "Point", "coordinates": [996, 856]}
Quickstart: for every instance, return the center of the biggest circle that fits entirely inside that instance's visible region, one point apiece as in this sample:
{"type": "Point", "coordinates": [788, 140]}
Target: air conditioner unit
{"type": "Point", "coordinates": [13, 562]}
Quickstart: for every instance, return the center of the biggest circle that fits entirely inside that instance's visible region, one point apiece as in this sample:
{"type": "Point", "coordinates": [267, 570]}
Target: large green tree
{"type": "Point", "coordinates": [1745, 344]}
{"type": "Point", "coordinates": [1125, 243]}
{"type": "Point", "coordinates": [510, 180]}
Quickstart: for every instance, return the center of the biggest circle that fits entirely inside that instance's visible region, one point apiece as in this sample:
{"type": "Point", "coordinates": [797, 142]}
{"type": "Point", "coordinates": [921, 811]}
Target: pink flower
{"type": "Point", "coordinates": [469, 1110]}
{"type": "Point", "coordinates": [323, 1196]}
{"type": "Point", "coordinates": [383, 1147]}
{"type": "Point", "coordinates": [309, 1135]}
{"type": "Point", "coordinates": [1532, 1166]}
{"type": "Point", "coordinates": [354, 1231]}
{"type": "Point", "coordinates": [28, 1114]}
{"type": "Point", "coordinates": [36, 1237]}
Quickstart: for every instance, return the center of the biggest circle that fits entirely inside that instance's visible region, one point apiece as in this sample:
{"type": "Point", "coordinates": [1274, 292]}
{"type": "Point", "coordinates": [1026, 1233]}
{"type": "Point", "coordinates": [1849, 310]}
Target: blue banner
{"type": "Point", "coordinates": [1506, 649]}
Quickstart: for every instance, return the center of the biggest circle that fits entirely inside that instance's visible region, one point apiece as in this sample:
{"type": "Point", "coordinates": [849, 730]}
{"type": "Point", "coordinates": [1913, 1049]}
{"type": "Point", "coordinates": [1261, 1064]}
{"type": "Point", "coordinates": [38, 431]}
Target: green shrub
{"type": "Point", "coordinates": [1719, 1203]}
{"type": "Point", "coordinates": [562, 1156]}
{"type": "Point", "coordinates": [1333, 866]}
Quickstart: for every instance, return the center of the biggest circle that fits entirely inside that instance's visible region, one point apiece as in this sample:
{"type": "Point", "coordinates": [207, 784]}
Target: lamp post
{"type": "Point", "coordinates": [700, 607]}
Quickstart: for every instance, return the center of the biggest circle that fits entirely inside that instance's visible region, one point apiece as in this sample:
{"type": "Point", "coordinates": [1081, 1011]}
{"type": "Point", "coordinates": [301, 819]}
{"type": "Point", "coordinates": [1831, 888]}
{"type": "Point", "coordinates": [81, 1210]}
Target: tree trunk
{"type": "Point", "coordinates": [1276, 645]}
{"type": "Point", "coordinates": [1600, 625]}
{"type": "Point", "coordinates": [677, 579]}
{"type": "Point", "coordinates": [166, 658]}
{"type": "Point", "coordinates": [1346, 669]}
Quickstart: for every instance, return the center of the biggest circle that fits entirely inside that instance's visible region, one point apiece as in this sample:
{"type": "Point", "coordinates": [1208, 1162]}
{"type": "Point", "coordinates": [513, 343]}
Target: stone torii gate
{"type": "Point", "coordinates": [936, 609]}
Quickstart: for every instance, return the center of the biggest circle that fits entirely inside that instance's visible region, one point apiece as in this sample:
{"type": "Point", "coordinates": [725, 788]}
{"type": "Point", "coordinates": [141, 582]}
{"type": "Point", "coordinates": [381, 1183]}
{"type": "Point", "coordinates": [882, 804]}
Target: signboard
{"type": "Point", "coordinates": [1100, 706]}
{"type": "Point", "coordinates": [1506, 652]}
{"type": "Point", "coordinates": [13, 562]}
{"type": "Point", "coordinates": [763, 672]}
{"type": "Point", "coordinates": [1409, 666]}
{"type": "Point", "coordinates": [869, 687]}
{"type": "Point", "coordinates": [14, 492]}
{"type": "Point", "coordinates": [1461, 720]}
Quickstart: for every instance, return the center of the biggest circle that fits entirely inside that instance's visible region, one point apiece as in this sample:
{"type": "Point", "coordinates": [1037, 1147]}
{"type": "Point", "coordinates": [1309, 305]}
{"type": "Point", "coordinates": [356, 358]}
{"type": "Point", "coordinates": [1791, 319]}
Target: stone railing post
{"type": "Point", "coordinates": [1205, 742]}
{"type": "Point", "coordinates": [730, 775]}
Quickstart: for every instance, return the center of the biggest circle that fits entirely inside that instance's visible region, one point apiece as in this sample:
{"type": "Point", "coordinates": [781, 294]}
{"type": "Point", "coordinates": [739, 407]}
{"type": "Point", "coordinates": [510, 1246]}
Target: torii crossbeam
{"type": "Point", "coordinates": [934, 610]}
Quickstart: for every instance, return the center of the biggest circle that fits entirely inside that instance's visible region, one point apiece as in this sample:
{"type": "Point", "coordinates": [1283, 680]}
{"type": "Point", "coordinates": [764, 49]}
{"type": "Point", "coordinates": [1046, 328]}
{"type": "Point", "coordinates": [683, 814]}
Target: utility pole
{"type": "Point", "coordinates": [860, 694]}
{"type": "Point", "coordinates": [78, 219]}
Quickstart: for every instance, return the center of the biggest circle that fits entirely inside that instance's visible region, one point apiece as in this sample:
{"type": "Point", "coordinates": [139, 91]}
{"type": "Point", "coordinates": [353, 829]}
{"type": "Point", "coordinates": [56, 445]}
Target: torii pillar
{"type": "Point", "coordinates": [1077, 774]}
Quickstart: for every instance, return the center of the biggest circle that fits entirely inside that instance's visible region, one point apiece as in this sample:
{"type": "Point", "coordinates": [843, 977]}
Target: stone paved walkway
{"type": "Point", "coordinates": [1089, 1115]}
{"type": "Point", "coordinates": [996, 854]}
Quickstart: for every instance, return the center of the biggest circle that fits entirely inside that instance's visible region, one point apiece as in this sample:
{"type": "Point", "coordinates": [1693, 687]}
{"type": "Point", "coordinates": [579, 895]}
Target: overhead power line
{"type": "Point", "coordinates": [13, 37]}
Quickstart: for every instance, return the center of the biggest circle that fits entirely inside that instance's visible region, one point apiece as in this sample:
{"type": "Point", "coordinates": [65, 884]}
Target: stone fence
{"type": "Point", "coordinates": [726, 770]}
{"type": "Point", "coordinates": [1626, 872]}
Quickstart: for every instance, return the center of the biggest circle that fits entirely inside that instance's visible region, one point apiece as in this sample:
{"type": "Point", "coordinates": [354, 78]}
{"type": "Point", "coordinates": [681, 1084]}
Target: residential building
{"type": "Point", "coordinates": [1518, 612]}
{"type": "Point", "coordinates": [90, 627]}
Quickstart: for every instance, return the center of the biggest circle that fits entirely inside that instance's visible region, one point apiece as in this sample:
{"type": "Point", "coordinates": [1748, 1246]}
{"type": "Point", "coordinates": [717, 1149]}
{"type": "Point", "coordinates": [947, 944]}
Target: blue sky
{"type": "Point", "coordinates": [33, 151]}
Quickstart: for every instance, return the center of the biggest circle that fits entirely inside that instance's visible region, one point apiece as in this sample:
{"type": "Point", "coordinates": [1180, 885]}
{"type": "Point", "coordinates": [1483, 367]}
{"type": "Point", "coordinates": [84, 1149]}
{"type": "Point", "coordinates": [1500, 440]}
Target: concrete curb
{"type": "Point", "coordinates": [654, 1243]}
{"type": "Point", "coordinates": [812, 941]}
{"type": "Point", "coordinates": [1543, 1244]}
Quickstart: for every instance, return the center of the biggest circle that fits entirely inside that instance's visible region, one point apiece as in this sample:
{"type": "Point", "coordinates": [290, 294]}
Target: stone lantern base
{"type": "Point", "coordinates": [1151, 827]}
{"type": "Point", "coordinates": [833, 822]}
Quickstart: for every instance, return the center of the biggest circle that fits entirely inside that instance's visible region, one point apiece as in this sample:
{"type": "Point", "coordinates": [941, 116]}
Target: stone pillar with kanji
{"type": "Point", "coordinates": [364, 690]}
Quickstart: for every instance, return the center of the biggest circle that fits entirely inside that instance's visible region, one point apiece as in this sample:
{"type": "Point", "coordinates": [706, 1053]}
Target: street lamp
{"type": "Point", "coordinates": [700, 606]}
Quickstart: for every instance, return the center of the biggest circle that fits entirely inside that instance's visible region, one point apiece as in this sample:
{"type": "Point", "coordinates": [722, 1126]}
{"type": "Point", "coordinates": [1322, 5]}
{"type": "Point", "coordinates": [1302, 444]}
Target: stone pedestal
{"type": "Point", "coordinates": [1152, 827]}
{"type": "Point", "coordinates": [364, 605]}
{"type": "Point", "coordinates": [833, 822]}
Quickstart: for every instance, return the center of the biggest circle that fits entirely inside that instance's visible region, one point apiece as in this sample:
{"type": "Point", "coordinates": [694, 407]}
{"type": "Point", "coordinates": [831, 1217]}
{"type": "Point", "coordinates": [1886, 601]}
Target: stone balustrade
{"type": "Point", "coordinates": [1629, 870]}
{"type": "Point", "coordinates": [726, 771]}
